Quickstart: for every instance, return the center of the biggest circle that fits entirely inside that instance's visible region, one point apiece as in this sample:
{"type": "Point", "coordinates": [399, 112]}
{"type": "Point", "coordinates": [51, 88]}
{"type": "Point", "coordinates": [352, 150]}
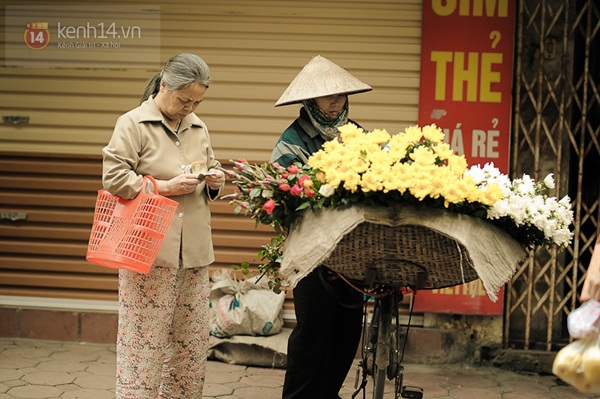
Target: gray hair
{"type": "Point", "coordinates": [180, 71]}
{"type": "Point", "coordinates": [185, 69]}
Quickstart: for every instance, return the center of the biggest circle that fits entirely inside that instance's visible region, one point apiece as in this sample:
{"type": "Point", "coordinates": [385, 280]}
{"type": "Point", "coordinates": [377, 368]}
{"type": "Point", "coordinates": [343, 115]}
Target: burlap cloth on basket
{"type": "Point", "coordinates": [403, 245]}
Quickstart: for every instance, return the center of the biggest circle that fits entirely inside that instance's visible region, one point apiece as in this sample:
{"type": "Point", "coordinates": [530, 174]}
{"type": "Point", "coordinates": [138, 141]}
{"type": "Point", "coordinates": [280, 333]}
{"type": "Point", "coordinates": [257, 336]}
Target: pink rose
{"type": "Point", "coordinates": [296, 190]}
{"type": "Point", "coordinates": [293, 169]}
{"type": "Point", "coordinates": [305, 181]}
{"type": "Point", "coordinates": [309, 193]}
{"type": "Point", "coordinates": [284, 187]}
{"type": "Point", "coordinates": [269, 206]}
{"type": "Point", "coordinates": [276, 164]}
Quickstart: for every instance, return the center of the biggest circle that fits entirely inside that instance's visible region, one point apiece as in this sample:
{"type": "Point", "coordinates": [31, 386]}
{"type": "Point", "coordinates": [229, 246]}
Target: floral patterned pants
{"type": "Point", "coordinates": [162, 340]}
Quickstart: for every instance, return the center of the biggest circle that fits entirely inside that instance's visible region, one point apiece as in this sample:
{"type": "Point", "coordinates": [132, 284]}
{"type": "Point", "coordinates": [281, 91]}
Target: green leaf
{"type": "Point", "coordinates": [255, 192]}
{"type": "Point", "coordinates": [303, 205]}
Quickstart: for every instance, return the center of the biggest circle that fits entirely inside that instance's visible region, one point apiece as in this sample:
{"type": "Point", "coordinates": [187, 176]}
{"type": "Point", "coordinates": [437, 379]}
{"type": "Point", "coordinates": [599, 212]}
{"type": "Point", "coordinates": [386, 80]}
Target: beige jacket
{"type": "Point", "coordinates": [142, 143]}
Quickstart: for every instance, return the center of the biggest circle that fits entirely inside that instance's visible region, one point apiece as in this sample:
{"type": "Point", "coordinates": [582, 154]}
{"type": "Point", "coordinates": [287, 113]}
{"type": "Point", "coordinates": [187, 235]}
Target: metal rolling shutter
{"type": "Point", "coordinates": [46, 209]}
{"type": "Point", "coordinates": [254, 49]}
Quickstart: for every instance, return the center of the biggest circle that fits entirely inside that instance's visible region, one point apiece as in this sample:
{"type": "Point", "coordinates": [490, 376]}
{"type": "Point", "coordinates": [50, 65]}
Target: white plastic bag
{"type": "Point", "coordinates": [584, 320]}
{"type": "Point", "coordinates": [242, 307]}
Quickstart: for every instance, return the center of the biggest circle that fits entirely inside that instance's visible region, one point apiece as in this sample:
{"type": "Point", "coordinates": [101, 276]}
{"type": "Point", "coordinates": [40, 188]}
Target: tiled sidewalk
{"type": "Point", "coordinates": [34, 369]}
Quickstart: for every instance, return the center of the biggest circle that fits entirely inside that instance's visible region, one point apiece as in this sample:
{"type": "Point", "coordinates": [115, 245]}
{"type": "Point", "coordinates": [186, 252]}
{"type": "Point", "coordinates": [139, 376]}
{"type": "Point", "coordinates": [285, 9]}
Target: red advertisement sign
{"type": "Point", "coordinates": [465, 89]}
{"type": "Point", "coordinates": [468, 298]}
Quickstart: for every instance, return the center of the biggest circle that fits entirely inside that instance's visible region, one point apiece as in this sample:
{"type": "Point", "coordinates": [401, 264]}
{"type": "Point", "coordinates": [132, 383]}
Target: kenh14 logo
{"type": "Point", "coordinates": [37, 35]}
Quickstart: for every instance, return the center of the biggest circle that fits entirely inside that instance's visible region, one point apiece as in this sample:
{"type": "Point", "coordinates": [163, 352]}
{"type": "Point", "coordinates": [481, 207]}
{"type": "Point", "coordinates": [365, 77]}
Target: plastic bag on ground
{"type": "Point", "coordinates": [243, 307]}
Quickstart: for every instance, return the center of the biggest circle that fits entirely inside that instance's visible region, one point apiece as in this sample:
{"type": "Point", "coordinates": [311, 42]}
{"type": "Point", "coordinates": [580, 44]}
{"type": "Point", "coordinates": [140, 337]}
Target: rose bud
{"type": "Point", "coordinates": [296, 190]}
{"type": "Point", "coordinates": [269, 206]}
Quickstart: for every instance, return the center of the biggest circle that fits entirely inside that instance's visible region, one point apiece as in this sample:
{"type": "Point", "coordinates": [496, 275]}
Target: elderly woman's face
{"type": "Point", "coordinates": [181, 102]}
{"type": "Point", "coordinates": [332, 105]}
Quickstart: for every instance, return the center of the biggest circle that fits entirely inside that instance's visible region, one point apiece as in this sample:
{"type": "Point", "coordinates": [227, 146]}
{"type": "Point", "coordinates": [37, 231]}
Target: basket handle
{"type": "Point", "coordinates": [154, 184]}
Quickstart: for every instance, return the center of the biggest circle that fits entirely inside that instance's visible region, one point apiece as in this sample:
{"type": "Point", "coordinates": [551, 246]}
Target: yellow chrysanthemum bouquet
{"type": "Point", "coordinates": [414, 166]}
{"type": "Point", "coordinates": [378, 169]}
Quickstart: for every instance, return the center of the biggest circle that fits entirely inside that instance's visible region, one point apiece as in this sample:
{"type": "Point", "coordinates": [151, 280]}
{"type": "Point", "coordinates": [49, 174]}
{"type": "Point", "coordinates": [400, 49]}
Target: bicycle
{"type": "Point", "coordinates": [382, 351]}
{"type": "Point", "coordinates": [388, 249]}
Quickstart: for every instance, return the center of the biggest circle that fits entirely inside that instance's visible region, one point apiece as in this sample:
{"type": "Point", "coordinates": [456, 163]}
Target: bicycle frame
{"type": "Point", "coordinates": [381, 354]}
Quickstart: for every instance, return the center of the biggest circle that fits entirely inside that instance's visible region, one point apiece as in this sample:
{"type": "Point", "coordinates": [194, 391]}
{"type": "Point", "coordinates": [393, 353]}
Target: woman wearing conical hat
{"type": "Point", "coordinates": [322, 346]}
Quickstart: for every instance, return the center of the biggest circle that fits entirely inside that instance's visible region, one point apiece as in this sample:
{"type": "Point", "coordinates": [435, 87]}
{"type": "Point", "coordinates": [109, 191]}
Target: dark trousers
{"type": "Point", "coordinates": [323, 344]}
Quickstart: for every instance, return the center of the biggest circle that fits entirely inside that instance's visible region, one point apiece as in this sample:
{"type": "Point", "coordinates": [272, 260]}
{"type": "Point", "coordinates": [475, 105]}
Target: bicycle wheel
{"type": "Point", "coordinates": [382, 351]}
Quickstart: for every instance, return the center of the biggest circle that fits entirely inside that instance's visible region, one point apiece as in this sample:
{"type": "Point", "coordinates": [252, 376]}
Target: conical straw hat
{"type": "Point", "coordinates": [321, 77]}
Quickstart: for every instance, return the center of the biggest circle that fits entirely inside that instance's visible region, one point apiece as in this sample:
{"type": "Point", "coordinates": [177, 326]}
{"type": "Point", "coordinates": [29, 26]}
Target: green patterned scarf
{"type": "Point", "coordinates": [327, 128]}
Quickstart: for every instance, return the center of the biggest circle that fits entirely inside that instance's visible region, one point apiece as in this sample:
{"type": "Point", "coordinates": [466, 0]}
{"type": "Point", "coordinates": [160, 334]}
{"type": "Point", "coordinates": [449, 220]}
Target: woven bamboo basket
{"type": "Point", "coordinates": [401, 245]}
{"type": "Point", "coordinates": [407, 255]}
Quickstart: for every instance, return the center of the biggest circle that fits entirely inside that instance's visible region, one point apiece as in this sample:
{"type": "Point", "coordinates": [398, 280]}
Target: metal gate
{"type": "Point", "coordinates": [556, 130]}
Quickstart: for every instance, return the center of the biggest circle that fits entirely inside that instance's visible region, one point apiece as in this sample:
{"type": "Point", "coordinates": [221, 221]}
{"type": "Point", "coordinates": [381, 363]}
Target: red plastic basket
{"type": "Point", "coordinates": [127, 234]}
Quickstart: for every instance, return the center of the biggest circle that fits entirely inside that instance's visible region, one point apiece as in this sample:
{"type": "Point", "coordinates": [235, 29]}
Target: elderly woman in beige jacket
{"type": "Point", "coordinates": [163, 332]}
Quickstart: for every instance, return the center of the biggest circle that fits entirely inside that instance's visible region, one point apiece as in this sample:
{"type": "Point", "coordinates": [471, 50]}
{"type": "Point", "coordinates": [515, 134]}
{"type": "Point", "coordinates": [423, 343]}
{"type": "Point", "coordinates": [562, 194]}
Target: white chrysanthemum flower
{"type": "Point", "coordinates": [542, 223]}
{"type": "Point", "coordinates": [549, 181]}
{"type": "Point", "coordinates": [525, 185]}
{"type": "Point", "coordinates": [565, 201]}
{"type": "Point", "coordinates": [477, 174]}
{"type": "Point", "coordinates": [562, 237]}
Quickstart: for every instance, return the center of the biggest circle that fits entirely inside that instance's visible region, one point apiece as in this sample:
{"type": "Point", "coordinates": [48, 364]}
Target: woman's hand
{"type": "Point", "coordinates": [179, 185]}
{"type": "Point", "coordinates": [215, 179]}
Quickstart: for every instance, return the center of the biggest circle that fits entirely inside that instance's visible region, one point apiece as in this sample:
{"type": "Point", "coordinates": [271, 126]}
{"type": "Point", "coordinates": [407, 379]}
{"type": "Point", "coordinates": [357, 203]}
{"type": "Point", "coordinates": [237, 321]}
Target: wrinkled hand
{"type": "Point", "coordinates": [215, 179]}
{"type": "Point", "coordinates": [182, 184]}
